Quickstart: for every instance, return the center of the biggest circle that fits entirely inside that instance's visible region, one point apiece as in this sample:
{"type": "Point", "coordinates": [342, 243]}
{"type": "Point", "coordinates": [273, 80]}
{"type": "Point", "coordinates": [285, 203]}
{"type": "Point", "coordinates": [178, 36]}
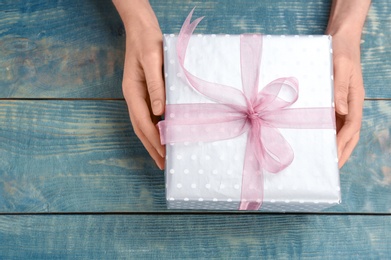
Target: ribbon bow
{"type": "Point", "coordinates": [236, 112]}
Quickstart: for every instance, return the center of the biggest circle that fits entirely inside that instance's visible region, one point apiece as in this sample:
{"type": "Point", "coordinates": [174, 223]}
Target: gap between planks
{"type": "Point", "coordinates": [238, 213]}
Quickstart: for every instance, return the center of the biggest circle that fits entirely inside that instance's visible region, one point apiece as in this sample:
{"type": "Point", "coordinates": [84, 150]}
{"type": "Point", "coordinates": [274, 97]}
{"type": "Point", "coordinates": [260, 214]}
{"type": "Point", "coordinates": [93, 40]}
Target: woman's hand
{"type": "Point", "coordinates": [142, 85]}
{"type": "Point", "coordinates": [345, 25]}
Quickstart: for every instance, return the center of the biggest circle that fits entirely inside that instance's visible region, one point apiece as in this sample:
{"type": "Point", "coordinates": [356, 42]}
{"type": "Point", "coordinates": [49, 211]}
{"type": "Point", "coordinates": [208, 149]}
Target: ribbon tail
{"type": "Point", "coordinates": [185, 35]}
{"type": "Point", "coordinates": [252, 178]}
{"type": "Point", "coordinates": [233, 97]}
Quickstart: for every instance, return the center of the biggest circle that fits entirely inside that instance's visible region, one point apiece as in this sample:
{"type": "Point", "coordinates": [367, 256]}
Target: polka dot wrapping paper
{"type": "Point", "coordinates": [208, 175]}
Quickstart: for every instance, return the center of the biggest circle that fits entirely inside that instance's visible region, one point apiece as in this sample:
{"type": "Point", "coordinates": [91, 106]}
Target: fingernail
{"type": "Point", "coordinates": [343, 107]}
{"type": "Point", "coordinates": [157, 107]}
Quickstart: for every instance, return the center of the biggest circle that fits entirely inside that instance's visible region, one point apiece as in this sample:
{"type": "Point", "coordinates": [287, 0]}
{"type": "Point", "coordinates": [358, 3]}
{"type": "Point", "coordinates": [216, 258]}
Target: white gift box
{"type": "Point", "coordinates": [208, 175]}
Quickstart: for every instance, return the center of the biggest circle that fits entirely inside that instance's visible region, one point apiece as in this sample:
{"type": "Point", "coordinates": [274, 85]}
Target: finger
{"type": "Point", "coordinates": [140, 116]}
{"type": "Point", "coordinates": [147, 142]}
{"type": "Point", "coordinates": [347, 151]}
{"type": "Point", "coordinates": [136, 98]}
{"type": "Point", "coordinates": [159, 160]}
{"type": "Point", "coordinates": [153, 65]}
{"type": "Point", "coordinates": [348, 135]}
{"type": "Point", "coordinates": [341, 85]}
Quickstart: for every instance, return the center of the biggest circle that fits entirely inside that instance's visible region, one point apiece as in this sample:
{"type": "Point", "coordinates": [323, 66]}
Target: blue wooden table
{"type": "Point", "coordinates": [75, 182]}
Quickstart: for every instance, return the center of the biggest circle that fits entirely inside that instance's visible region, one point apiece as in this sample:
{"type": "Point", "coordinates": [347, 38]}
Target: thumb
{"type": "Point", "coordinates": [341, 87]}
{"type": "Point", "coordinates": [153, 66]}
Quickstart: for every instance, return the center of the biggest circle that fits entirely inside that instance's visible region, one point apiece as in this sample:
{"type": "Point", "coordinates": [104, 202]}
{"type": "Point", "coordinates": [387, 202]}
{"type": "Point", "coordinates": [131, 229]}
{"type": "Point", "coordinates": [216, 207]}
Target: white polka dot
{"type": "Point", "coordinates": [287, 201]}
{"type": "Point", "coordinates": [331, 50]}
{"type": "Point", "coordinates": [194, 157]}
{"type": "Point", "coordinates": [316, 202]}
{"type": "Point", "coordinates": [297, 36]}
{"type": "Point", "coordinates": [214, 199]}
{"type": "Point", "coordinates": [268, 36]}
{"type": "Point", "coordinates": [172, 61]}
{"type": "Point", "coordinates": [200, 199]}
{"type": "Point", "coordinates": [301, 201]}
{"type": "Point", "coordinates": [172, 35]}
{"type": "Point", "coordinates": [236, 186]}
{"type": "Point", "coordinates": [227, 35]}
{"type": "Point", "coordinates": [215, 171]}
{"type": "Point", "coordinates": [282, 36]}
{"type": "Point", "coordinates": [222, 186]}
{"type": "Point", "coordinates": [172, 115]}
{"type": "Point", "coordinates": [272, 201]}
{"type": "Point", "coordinates": [207, 157]}
{"type": "Point", "coordinates": [222, 157]}
{"type": "Point", "coordinates": [165, 75]}
{"type": "Point", "coordinates": [172, 199]}
{"type": "Point", "coordinates": [172, 88]}
{"type": "Point", "coordinates": [179, 185]}
{"type": "Point", "coordinates": [179, 157]}
{"type": "Point", "coordinates": [207, 186]}
{"type": "Point", "coordinates": [213, 35]}
{"type": "Point", "coordinates": [199, 35]}
{"type": "Point", "coordinates": [193, 185]}
{"type": "Point", "coordinates": [186, 171]}
{"type": "Point", "coordinates": [172, 171]}
{"type": "Point", "coordinates": [338, 188]}
{"type": "Point", "coordinates": [201, 171]}
{"type": "Point", "coordinates": [186, 199]}
{"type": "Point", "coordinates": [229, 172]}
{"type": "Point", "coordinates": [229, 200]}
{"type": "Point", "coordinates": [179, 75]}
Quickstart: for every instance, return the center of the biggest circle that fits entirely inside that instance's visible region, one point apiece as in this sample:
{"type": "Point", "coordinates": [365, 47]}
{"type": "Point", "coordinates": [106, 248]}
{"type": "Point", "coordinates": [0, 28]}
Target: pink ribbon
{"type": "Point", "coordinates": [234, 113]}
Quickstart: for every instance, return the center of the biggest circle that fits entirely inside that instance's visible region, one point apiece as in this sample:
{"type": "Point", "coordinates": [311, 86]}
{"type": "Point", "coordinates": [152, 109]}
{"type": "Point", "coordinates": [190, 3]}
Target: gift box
{"type": "Point", "coordinates": [214, 160]}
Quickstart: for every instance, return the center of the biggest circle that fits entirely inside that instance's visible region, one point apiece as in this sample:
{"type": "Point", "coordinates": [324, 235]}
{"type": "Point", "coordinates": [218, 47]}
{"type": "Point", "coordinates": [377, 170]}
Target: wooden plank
{"type": "Point", "coordinates": [75, 49]}
{"type": "Point", "coordinates": [61, 49]}
{"type": "Point", "coordinates": [195, 236]}
{"type": "Point", "coordinates": [82, 156]}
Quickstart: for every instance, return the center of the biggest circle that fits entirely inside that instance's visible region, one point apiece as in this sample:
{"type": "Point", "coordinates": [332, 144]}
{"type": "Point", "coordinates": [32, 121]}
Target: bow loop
{"type": "Point", "coordinates": [278, 94]}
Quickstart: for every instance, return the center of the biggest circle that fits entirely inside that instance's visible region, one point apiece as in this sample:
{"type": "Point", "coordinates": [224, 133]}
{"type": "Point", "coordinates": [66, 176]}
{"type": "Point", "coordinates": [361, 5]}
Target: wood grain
{"type": "Point", "coordinates": [60, 49]}
{"type": "Point", "coordinates": [195, 237]}
{"type": "Point", "coordinates": [75, 181]}
{"type": "Point", "coordinates": [75, 49]}
{"type": "Point", "coordinates": [82, 156]}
